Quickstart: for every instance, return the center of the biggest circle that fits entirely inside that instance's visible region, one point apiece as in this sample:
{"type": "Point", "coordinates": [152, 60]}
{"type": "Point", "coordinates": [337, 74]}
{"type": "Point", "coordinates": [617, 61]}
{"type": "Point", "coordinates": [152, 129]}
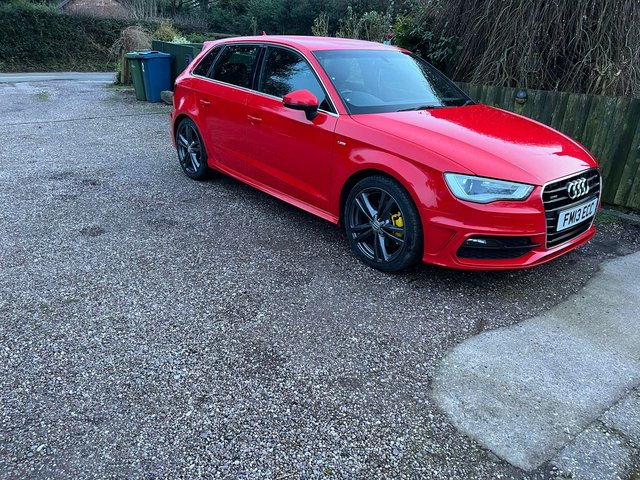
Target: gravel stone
{"type": "Point", "coordinates": [156, 327]}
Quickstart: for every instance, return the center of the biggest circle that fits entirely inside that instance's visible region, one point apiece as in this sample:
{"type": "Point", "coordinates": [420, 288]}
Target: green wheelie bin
{"type": "Point", "coordinates": [135, 66]}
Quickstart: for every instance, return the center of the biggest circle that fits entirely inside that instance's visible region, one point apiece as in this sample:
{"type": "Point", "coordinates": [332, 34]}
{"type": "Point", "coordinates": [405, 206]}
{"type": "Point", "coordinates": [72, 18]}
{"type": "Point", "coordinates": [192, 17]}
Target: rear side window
{"type": "Point", "coordinates": [207, 62]}
{"type": "Point", "coordinates": [286, 71]}
{"type": "Point", "coordinates": [236, 64]}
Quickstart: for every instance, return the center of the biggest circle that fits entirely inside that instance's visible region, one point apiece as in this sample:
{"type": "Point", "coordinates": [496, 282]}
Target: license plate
{"type": "Point", "coordinates": [573, 216]}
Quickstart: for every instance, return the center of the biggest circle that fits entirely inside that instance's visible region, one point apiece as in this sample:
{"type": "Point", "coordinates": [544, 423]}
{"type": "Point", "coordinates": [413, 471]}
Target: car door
{"type": "Point", "coordinates": [289, 153]}
{"type": "Point", "coordinates": [222, 98]}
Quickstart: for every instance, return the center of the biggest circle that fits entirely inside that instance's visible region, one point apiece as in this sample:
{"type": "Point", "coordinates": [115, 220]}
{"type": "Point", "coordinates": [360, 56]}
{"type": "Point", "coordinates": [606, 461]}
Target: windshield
{"type": "Point", "coordinates": [380, 81]}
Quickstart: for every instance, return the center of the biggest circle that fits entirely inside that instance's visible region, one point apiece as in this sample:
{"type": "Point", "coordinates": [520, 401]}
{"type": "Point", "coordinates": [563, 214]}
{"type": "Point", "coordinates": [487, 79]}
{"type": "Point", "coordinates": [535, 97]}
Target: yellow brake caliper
{"type": "Point", "coordinates": [397, 221]}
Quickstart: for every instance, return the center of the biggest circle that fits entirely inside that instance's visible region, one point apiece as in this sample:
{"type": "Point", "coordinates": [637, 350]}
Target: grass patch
{"type": "Point", "coordinates": [117, 87]}
{"type": "Point", "coordinates": [605, 218]}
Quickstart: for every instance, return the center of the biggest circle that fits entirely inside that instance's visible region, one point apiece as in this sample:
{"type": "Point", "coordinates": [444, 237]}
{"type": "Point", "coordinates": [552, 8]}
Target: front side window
{"type": "Point", "coordinates": [205, 64]}
{"type": "Point", "coordinates": [380, 81]}
{"type": "Point", "coordinates": [285, 72]}
{"type": "Point", "coordinates": [235, 65]}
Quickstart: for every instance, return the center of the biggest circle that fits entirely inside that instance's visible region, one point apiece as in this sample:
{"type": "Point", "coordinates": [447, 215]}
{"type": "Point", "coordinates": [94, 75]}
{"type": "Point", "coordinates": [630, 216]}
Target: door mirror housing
{"type": "Point", "coordinates": [302, 100]}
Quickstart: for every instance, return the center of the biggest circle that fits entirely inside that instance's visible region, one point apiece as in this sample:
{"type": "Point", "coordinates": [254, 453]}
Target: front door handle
{"type": "Point", "coordinates": [253, 119]}
{"type": "Point", "coordinates": [205, 103]}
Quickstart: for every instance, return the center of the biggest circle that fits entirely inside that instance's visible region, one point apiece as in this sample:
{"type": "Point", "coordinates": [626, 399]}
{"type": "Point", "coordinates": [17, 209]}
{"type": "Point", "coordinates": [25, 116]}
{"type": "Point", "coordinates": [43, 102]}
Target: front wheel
{"type": "Point", "coordinates": [382, 224]}
{"type": "Point", "coordinates": [191, 151]}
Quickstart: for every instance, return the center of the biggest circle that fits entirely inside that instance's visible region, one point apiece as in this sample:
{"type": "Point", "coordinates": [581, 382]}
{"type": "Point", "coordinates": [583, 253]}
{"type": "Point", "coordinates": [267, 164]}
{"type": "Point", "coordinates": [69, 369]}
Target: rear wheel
{"type": "Point", "coordinates": [191, 151]}
{"type": "Point", "coordinates": [382, 224]}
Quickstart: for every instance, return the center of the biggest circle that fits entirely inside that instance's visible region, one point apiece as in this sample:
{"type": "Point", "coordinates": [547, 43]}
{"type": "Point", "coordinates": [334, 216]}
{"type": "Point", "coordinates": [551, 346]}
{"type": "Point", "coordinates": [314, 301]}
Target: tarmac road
{"type": "Point", "coordinates": [99, 77]}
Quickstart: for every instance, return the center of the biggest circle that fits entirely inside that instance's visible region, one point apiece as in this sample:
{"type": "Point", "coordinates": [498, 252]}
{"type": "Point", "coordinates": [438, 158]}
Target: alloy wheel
{"type": "Point", "coordinates": [189, 148]}
{"type": "Point", "coordinates": [376, 225]}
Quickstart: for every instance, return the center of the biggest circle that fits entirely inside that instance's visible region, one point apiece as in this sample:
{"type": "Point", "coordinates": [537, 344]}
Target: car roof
{"type": "Point", "coordinates": [312, 43]}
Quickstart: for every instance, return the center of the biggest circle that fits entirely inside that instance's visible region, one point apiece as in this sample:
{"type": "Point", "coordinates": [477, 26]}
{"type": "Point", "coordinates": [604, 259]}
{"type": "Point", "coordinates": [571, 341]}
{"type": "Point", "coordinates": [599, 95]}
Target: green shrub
{"type": "Point", "coordinates": [198, 37]}
{"type": "Point", "coordinates": [320, 26]}
{"type": "Point", "coordinates": [165, 32]}
{"type": "Point", "coordinates": [372, 26]}
{"type": "Point", "coordinates": [349, 25]}
{"type": "Point", "coordinates": [437, 49]}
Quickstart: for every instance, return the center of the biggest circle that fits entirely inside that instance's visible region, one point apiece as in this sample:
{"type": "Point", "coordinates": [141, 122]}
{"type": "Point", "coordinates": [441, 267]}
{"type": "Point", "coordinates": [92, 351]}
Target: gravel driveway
{"type": "Point", "coordinates": [153, 326]}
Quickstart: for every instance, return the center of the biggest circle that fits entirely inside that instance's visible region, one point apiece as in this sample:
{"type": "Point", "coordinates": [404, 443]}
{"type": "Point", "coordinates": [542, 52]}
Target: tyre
{"type": "Point", "coordinates": [382, 224]}
{"type": "Point", "coordinates": [191, 151]}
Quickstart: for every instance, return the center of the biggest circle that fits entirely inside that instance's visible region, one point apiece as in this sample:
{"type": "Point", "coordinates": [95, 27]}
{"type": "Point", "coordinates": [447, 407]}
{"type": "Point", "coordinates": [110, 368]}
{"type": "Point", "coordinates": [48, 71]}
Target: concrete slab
{"type": "Point", "coordinates": [596, 454]}
{"type": "Point", "coordinates": [625, 417]}
{"type": "Point", "coordinates": [527, 390]}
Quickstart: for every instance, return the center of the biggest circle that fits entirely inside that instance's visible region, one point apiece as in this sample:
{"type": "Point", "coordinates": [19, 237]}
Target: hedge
{"type": "Point", "coordinates": [34, 37]}
{"type": "Point", "coordinates": [39, 38]}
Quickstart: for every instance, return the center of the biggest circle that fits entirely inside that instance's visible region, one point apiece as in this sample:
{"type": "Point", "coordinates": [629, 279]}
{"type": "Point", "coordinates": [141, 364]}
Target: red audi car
{"type": "Point", "coordinates": [374, 138]}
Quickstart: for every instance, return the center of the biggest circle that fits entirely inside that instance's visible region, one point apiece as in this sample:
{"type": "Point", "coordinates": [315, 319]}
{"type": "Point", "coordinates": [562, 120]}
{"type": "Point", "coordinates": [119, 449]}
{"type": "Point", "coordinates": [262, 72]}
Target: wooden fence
{"type": "Point", "coordinates": [608, 126]}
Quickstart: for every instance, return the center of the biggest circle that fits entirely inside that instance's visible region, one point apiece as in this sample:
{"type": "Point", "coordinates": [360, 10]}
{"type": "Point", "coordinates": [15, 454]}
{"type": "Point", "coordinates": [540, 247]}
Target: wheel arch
{"type": "Point", "coordinates": [411, 249]}
{"type": "Point", "coordinates": [351, 181]}
{"type": "Point", "coordinates": [177, 121]}
{"type": "Point", "coordinates": [174, 130]}
{"type": "Point", "coordinates": [400, 177]}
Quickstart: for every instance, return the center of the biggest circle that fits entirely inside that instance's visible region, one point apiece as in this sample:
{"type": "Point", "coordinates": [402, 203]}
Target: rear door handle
{"type": "Point", "coordinates": [205, 103]}
{"type": "Point", "coordinates": [253, 119]}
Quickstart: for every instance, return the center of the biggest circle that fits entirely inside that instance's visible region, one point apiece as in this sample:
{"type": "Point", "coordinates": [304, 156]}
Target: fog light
{"type": "Point", "coordinates": [475, 241]}
{"type": "Point", "coordinates": [495, 247]}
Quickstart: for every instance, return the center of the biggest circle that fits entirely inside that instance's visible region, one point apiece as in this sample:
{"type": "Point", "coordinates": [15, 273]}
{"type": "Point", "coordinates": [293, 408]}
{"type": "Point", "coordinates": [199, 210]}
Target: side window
{"type": "Point", "coordinates": [236, 64]}
{"type": "Point", "coordinates": [205, 64]}
{"type": "Point", "coordinates": [285, 71]}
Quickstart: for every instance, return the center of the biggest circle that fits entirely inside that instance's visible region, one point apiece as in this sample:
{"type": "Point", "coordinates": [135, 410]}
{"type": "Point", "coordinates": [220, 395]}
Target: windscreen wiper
{"type": "Point", "coordinates": [421, 107]}
{"type": "Point", "coordinates": [456, 100]}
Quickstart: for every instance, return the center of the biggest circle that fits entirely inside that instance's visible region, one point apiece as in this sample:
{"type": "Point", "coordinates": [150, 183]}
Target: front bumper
{"type": "Point", "coordinates": [446, 231]}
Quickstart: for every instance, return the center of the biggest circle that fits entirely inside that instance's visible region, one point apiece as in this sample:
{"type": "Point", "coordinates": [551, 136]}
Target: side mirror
{"type": "Point", "coordinates": [302, 100]}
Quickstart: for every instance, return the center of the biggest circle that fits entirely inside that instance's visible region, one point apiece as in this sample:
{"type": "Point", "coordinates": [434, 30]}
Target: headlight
{"type": "Point", "coordinates": [485, 190]}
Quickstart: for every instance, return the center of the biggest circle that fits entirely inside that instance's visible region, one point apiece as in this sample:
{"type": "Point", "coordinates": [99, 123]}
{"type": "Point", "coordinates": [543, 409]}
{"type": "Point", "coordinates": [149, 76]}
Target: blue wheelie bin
{"type": "Point", "coordinates": [156, 73]}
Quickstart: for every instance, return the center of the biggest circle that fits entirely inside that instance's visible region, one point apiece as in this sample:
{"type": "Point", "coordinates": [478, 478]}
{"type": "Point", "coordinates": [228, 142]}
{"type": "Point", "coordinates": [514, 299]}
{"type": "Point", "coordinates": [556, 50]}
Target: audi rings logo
{"type": "Point", "coordinates": [577, 188]}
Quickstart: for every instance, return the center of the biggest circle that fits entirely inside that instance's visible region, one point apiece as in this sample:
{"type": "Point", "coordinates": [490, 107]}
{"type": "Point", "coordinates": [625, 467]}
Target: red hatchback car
{"type": "Point", "coordinates": [374, 138]}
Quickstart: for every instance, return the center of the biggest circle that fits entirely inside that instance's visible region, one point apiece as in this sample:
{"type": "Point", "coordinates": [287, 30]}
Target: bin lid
{"type": "Point", "coordinates": [149, 54]}
{"type": "Point", "coordinates": [139, 54]}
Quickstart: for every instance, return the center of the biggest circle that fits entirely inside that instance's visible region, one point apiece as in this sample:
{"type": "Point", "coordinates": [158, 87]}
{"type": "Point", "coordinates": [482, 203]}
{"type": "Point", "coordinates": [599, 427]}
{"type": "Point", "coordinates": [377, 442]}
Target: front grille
{"type": "Point", "coordinates": [495, 248]}
{"type": "Point", "coordinates": [556, 198]}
